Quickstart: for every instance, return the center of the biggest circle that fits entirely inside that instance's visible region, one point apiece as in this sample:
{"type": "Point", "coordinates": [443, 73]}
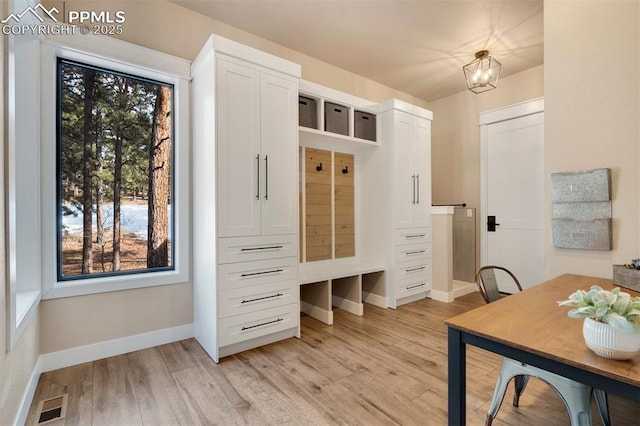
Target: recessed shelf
{"type": "Point", "coordinates": [334, 136]}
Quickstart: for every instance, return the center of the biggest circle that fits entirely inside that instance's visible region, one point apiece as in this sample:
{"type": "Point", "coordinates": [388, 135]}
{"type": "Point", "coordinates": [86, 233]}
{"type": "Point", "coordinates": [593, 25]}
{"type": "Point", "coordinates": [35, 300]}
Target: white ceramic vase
{"type": "Point", "coordinates": [609, 342]}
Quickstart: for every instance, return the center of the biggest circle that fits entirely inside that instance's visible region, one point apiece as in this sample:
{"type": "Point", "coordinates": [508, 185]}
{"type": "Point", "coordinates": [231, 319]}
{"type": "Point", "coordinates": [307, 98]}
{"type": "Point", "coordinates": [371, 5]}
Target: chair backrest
{"type": "Point", "coordinates": [488, 284]}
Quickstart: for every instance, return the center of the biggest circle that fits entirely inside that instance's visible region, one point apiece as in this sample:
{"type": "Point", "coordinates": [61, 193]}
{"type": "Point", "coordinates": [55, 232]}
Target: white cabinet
{"type": "Point", "coordinates": [412, 170]}
{"type": "Point", "coordinates": [245, 198]}
{"type": "Point", "coordinates": [256, 150]}
{"type": "Point", "coordinates": [407, 137]}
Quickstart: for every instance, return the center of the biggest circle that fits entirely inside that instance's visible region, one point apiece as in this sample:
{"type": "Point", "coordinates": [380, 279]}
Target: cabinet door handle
{"type": "Point", "coordinates": [260, 325]}
{"type": "Point", "coordinates": [415, 269]}
{"type": "Point", "coordinates": [251, 274]}
{"type": "Point", "coordinates": [416, 236]}
{"type": "Point", "coordinates": [266, 177]}
{"type": "Point", "coordinates": [261, 248]}
{"type": "Point", "coordinates": [413, 189]}
{"type": "Point", "coordinates": [262, 298]}
{"type": "Point", "coordinates": [258, 174]}
{"type": "Point", "coordinates": [416, 286]}
{"type": "Point", "coordinates": [417, 189]}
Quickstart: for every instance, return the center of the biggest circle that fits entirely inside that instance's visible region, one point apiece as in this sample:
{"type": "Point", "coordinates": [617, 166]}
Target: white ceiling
{"type": "Point", "coordinates": [415, 46]}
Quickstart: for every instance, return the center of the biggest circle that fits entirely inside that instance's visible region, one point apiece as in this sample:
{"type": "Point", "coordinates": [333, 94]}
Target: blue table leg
{"type": "Point", "coordinates": [457, 378]}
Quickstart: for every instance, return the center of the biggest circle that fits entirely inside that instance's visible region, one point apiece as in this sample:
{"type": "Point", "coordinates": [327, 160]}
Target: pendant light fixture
{"type": "Point", "coordinates": [482, 73]}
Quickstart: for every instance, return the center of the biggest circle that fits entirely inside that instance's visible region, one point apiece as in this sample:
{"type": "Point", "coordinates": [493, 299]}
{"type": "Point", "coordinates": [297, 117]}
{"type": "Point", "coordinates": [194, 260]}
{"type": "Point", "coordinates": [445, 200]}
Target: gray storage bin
{"type": "Point", "coordinates": [307, 112]}
{"type": "Point", "coordinates": [364, 125]}
{"type": "Point", "coordinates": [336, 118]}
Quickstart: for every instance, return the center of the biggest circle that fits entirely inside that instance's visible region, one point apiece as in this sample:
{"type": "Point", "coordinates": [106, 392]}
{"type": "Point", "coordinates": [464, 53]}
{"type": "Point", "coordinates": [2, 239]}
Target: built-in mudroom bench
{"type": "Point", "coordinates": [345, 285]}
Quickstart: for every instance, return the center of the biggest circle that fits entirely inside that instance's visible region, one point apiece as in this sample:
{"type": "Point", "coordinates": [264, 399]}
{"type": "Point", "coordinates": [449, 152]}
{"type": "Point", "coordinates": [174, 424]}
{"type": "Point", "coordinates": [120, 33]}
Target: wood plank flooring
{"type": "Point", "coordinates": [388, 367]}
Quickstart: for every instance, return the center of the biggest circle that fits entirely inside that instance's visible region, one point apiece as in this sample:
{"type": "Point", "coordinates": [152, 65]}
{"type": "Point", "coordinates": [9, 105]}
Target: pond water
{"type": "Point", "coordinates": [133, 218]}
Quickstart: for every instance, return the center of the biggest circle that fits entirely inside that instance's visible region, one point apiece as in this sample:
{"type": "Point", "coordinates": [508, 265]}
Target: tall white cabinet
{"type": "Point", "coordinates": [406, 133]}
{"type": "Point", "coordinates": [245, 199]}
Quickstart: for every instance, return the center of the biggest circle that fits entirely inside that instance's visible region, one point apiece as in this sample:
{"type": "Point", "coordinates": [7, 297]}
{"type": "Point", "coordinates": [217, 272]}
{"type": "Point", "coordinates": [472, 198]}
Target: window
{"type": "Point", "coordinates": [114, 144]}
{"type": "Point", "coordinates": [114, 167]}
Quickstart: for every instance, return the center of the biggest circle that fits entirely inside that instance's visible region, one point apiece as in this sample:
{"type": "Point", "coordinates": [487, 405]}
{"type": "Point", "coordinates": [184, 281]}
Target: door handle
{"type": "Point", "coordinates": [266, 177]}
{"type": "Point", "coordinates": [413, 189]}
{"type": "Point", "coordinates": [417, 189]}
{"type": "Point", "coordinates": [491, 224]}
{"type": "Point", "coordinates": [258, 174]}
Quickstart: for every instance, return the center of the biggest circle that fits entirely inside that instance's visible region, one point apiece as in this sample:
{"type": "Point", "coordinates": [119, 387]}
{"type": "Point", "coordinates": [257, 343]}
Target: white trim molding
{"type": "Point", "coordinates": [81, 354]}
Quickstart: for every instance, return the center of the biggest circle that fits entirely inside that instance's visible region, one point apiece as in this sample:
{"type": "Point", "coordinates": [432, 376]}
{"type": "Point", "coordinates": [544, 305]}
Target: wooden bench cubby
{"type": "Point", "coordinates": [345, 288]}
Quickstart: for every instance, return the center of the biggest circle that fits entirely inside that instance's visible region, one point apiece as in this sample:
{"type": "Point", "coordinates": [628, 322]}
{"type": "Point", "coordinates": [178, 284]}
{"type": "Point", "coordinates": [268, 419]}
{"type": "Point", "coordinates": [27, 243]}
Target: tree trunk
{"type": "Point", "coordinates": [87, 173]}
{"type": "Point", "coordinates": [159, 168]}
{"type": "Point", "coordinates": [117, 188]}
{"type": "Point", "coordinates": [99, 202]}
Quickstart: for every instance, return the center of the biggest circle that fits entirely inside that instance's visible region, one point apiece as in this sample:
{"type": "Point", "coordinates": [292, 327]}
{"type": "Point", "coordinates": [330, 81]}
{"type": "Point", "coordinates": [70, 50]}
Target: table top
{"type": "Point", "coordinates": [532, 321]}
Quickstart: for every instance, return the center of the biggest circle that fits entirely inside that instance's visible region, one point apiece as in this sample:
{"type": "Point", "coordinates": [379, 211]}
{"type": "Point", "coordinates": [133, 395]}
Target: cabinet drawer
{"type": "Point", "coordinates": [413, 235]}
{"type": "Point", "coordinates": [410, 252]}
{"type": "Point", "coordinates": [243, 300]}
{"type": "Point", "coordinates": [411, 287]}
{"type": "Point", "coordinates": [256, 324]}
{"type": "Point", "coordinates": [243, 249]}
{"type": "Point", "coordinates": [244, 274]}
{"type": "Point", "coordinates": [410, 271]}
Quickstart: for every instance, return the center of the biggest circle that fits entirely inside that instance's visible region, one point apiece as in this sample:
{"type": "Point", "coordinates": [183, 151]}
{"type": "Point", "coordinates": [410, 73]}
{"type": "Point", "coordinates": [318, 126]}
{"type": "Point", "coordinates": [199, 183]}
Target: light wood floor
{"type": "Point", "coordinates": [388, 367]}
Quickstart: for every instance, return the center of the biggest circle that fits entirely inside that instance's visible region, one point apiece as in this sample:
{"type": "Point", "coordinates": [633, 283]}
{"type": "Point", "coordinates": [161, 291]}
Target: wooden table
{"type": "Point", "coordinates": [531, 327]}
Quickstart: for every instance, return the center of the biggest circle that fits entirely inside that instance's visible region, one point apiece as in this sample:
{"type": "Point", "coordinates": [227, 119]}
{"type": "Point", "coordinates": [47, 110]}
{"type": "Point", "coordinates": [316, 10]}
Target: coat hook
{"type": "Point", "coordinates": [345, 170]}
{"type": "Point", "coordinates": [319, 168]}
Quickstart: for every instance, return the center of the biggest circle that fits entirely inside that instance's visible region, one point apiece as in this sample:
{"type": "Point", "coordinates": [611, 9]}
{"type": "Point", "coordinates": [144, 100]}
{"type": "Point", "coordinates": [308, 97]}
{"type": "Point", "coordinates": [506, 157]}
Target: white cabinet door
{"type": "Point", "coordinates": [238, 149]}
{"type": "Point", "coordinates": [421, 215]}
{"type": "Point", "coordinates": [405, 176]}
{"type": "Point", "coordinates": [279, 155]}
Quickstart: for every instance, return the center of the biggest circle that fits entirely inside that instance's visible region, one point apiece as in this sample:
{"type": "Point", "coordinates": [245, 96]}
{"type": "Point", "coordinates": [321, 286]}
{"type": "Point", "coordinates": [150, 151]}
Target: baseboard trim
{"type": "Point", "coordinates": [96, 351]}
{"type": "Point", "coordinates": [460, 288]}
{"type": "Point", "coordinates": [29, 393]}
{"type": "Point", "coordinates": [442, 296]}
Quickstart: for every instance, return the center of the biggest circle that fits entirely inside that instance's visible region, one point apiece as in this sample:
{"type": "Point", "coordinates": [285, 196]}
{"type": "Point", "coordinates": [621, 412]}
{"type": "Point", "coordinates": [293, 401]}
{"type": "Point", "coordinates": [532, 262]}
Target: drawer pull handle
{"type": "Point", "coordinates": [250, 274]}
{"type": "Point", "coordinates": [416, 269]}
{"type": "Point", "coordinates": [417, 236]}
{"type": "Point", "coordinates": [415, 252]}
{"type": "Point", "coordinates": [261, 248]}
{"type": "Point", "coordinates": [260, 325]}
{"type": "Point", "coordinates": [416, 286]}
{"type": "Point", "coordinates": [262, 298]}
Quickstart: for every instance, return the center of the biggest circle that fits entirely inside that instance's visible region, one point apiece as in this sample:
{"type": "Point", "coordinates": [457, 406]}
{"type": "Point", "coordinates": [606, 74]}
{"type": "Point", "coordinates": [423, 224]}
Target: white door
{"type": "Point", "coordinates": [513, 199]}
{"type": "Point", "coordinates": [421, 154]}
{"type": "Point", "coordinates": [279, 151]}
{"type": "Point", "coordinates": [405, 175]}
{"type": "Point", "coordinates": [238, 149]}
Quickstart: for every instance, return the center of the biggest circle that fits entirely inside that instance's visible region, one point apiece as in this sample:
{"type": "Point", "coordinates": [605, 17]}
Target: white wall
{"type": "Point", "coordinates": [592, 98]}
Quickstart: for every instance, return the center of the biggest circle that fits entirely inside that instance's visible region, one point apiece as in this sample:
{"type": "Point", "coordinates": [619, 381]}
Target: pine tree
{"type": "Point", "coordinates": [159, 174]}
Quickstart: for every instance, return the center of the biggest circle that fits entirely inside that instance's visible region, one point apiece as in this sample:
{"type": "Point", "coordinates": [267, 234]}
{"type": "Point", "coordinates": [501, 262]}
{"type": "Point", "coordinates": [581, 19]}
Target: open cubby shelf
{"type": "Point", "coordinates": [318, 115]}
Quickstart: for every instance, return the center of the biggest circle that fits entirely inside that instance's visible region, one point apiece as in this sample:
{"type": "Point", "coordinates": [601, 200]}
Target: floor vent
{"type": "Point", "coordinates": [52, 409]}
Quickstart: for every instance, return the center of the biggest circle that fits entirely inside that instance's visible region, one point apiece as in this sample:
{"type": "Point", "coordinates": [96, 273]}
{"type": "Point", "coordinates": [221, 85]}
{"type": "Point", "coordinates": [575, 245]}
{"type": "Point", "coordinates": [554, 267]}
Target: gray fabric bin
{"type": "Point", "coordinates": [364, 125]}
{"type": "Point", "coordinates": [336, 118]}
{"type": "Point", "coordinates": [307, 112]}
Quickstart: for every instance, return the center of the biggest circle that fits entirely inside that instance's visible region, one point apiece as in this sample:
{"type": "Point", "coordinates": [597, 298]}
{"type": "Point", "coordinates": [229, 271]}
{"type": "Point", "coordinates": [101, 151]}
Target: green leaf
{"type": "Point", "coordinates": [619, 322]}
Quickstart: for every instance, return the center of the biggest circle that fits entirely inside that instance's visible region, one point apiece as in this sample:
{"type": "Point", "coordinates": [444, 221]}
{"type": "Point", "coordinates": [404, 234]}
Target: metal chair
{"type": "Point", "coordinates": [576, 396]}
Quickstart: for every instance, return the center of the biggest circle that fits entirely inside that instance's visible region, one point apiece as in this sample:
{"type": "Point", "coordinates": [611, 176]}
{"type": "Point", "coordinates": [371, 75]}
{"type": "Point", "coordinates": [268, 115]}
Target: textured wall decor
{"type": "Point", "coordinates": [582, 209]}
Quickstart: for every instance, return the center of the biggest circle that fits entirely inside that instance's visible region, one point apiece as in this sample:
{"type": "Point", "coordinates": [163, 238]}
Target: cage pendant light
{"type": "Point", "coordinates": [482, 73]}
